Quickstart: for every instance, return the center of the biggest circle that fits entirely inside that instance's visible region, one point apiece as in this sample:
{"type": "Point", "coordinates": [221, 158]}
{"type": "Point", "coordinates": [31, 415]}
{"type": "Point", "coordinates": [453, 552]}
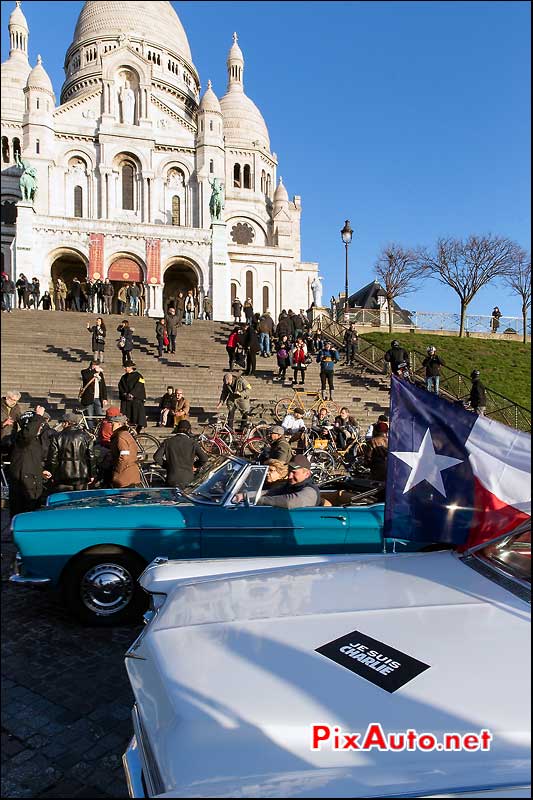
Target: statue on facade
{"type": "Point", "coordinates": [216, 204]}
{"type": "Point", "coordinates": [28, 179]}
{"type": "Point", "coordinates": [316, 288]}
{"type": "Point", "coordinates": [127, 103]}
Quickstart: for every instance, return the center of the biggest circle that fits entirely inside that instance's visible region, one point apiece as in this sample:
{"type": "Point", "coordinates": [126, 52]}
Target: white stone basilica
{"type": "Point", "coordinates": [125, 164]}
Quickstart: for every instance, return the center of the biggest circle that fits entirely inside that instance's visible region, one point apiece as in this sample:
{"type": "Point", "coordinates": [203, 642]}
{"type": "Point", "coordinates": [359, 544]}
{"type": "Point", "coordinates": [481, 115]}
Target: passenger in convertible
{"type": "Point", "coordinates": [298, 491]}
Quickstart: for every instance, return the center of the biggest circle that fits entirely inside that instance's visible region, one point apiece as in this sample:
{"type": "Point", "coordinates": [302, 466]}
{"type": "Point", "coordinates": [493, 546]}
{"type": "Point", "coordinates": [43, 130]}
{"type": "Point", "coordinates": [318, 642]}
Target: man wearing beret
{"type": "Point", "coordinates": [299, 491]}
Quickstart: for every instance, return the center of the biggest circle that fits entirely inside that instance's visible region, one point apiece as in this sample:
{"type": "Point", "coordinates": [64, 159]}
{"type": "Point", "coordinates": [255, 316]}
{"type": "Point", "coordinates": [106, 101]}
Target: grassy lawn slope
{"type": "Point", "coordinates": [505, 366]}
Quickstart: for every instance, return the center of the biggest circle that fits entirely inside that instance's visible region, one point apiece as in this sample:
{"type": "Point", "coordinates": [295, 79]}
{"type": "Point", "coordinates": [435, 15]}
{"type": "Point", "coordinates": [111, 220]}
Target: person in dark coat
{"type": "Point", "coordinates": [266, 331]}
{"type": "Point", "coordinates": [46, 435]}
{"type": "Point", "coordinates": [350, 345]}
{"type": "Point", "coordinates": [396, 355]}
{"type": "Point", "coordinates": [93, 398]}
{"type": "Point", "coordinates": [284, 326]}
{"type": "Point", "coordinates": [75, 295]}
{"type": "Point", "coordinates": [278, 447]}
{"type": "Point", "coordinates": [99, 333]}
{"type": "Point", "coordinates": [26, 467]}
{"type": "Point", "coordinates": [99, 295]}
{"type": "Point", "coordinates": [236, 310]}
{"type": "Point", "coordinates": [179, 455]}
{"type": "Point", "coordinates": [251, 345]}
{"type": "Point", "coordinates": [126, 333]}
{"type": "Point", "coordinates": [180, 308]}
{"type": "Point", "coordinates": [172, 323]}
{"type": "Point", "coordinates": [132, 393]}
{"type": "Point", "coordinates": [248, 311]}
{"type": "Point", "coordinates": [161, 335]}
{"type": "Point", "coordinates": [432, 363]}
{"type": "Point", "coordinates": [23, 290]}
{"type": "Point", "coordinates": [495, 319]}
{"type": "Point", "coordinates": [71, 459]}
{"type": "Point", "coordinates": [46, 301]}
{"type": "Point", "coordinates": [478, 396]}
{"type": "Point", "coordinates": [11, 414]}
{"type": "Point", "coordinates": [90, 295]}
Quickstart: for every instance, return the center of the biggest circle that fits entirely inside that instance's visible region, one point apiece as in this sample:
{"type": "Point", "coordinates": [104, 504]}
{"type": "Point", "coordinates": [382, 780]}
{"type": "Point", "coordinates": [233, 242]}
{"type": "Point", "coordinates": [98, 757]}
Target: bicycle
{"type": "Point", "coordinates": [146, 443]}
{"type": "Point", "coordinates": [289, 404]}
{"type": "Point", "coordinates": [219, 439]}
{"type": "Point", "coordinates": [323, 439]}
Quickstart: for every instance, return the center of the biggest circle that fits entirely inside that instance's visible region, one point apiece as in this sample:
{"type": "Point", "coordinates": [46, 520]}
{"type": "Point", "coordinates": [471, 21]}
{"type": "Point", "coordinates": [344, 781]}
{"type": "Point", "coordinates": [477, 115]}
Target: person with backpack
{"type": "Point", "coordinates": [231, 346]}
{"type": "Point", "coordinates": [283, 358]}
{"type": "Point", "coordinates": [99, 333]}
{"type": "Point", "coordinates": [236, 395]}
{"type": "Point", "coordinates": [327, 358]}
{"type": "Point", "coordinates": [266, 330]}
{"type": "Point", "coordinates": [432, 363]}
{"type": "Point", "coordinates": [125, 342]}
{"type": "Point", "coordinates": [478, 395]}
{"type": "Point", "coordinates": [236, 310]}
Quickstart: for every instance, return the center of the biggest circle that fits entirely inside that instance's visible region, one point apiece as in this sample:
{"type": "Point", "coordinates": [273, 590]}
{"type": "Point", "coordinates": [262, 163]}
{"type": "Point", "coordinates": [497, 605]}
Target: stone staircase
{"type": "Point", "coordinates": [43, 353]}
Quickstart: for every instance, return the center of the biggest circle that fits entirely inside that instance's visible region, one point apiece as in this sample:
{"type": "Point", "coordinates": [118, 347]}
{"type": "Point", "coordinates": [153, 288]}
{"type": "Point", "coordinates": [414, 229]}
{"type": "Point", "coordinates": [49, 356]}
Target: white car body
{"type": "Point", "coordinates": [228, 683]}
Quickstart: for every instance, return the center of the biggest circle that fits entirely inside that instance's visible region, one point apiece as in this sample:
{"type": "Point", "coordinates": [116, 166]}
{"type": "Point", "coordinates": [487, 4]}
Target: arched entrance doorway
{"type": "Point", "coordinates": [179, 277]}
{"type": "Point", "coordinates": [67, 265]}
{"type": "Point", "coordinates": [124, 271]}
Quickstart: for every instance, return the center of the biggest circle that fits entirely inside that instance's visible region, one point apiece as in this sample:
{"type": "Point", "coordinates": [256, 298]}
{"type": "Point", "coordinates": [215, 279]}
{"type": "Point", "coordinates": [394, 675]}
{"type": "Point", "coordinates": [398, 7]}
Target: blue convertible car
{"type": "Point", "coordinates": [93, 545]}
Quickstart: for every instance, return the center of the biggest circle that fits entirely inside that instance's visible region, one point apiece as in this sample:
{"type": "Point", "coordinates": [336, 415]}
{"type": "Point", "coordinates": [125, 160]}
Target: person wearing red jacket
{"type": "Point", "coordinates": [298, 361]}
{"type": "Point", "coordinates": [231, 346]}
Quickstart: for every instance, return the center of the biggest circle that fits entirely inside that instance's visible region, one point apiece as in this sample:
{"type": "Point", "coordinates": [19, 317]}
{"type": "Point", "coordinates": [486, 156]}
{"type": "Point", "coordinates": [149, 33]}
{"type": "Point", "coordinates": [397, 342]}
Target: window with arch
{"type": "Point", "coordinates": [37, 103]}
{"type": "Point", "coordinates": [210, 124]}
{"type": "Point", "coordinates": [266, 297]}
{"type": "Point", "coordinates": [247, 177]}
{"type": "Point", "coordinates": [211, 166]}
{"type": "Point", "coordinates": [128, 183]}
{"type": "Point", "coordinates": [78, 201]}
{"type": "Point", "coordinates": [233, 291]}
{"type": "Point", "coordinates": [263, 182]}
{"type": "Point", "coordinates": [16, 148]}
{"type": "Point", "coordinates": [269, 185]}
{"type": "Point", "coordinates": [250, 285]}
{"type": "Point", "coordinates": [37, 146]}
{"type": "Point", "coordinates": [5, 149]}
{"type": "Point", "coordinates": [175, 210]}
{"type": "Point", "coordinates": [237, 176]}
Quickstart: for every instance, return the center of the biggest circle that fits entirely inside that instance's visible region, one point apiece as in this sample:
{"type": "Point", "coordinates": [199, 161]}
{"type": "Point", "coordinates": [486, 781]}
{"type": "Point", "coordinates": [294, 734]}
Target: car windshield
{"type": "Point", "coordinates": [511, 554]}
{"type": "Point", "coordinates": [213, 483]}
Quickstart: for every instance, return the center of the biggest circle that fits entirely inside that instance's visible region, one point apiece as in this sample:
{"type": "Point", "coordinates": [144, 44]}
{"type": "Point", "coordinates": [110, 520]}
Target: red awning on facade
{"type": "Point", "coordinates": [125, 269]}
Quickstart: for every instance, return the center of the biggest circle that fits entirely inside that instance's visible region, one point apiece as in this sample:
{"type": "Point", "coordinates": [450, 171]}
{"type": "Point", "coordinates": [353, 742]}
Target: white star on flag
{"type": "Point", "coordinates": [426, 465]}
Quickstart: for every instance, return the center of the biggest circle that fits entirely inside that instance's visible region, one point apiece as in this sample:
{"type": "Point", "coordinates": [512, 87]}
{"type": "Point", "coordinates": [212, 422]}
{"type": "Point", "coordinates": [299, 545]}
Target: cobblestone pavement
{"type": "Point", "coordinates": [66, 699]}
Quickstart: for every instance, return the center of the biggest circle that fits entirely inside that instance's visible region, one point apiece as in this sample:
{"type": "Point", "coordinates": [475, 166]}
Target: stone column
{"type": "Point", "coordinates": [220, 274]}
{"type": "Point", "coordinates": [24, 243]}
{"type": "Point", "coordinates": [96, 256]}
{"type": "Point", "coordinates": [154, 288]}
{"type": "Point", "coordinates": [154, 301]}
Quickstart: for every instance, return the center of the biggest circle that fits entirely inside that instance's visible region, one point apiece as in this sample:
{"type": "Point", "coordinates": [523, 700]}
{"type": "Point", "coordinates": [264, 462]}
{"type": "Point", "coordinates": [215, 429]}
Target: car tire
{"type": "Point", "coordinates": [120, 600]}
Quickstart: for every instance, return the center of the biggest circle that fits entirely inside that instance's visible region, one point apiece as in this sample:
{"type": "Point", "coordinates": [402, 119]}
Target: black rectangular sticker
{"type": "Point", "coordinates": [379, 663]}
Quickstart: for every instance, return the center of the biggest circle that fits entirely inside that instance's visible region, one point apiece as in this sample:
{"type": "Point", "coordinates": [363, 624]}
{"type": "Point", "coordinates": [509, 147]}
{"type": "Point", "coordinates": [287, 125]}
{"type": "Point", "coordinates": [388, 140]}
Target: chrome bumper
{"type": "Point", "coordinates": [19, 578]}
{"type": "Point", "coordinates": [131, 762]}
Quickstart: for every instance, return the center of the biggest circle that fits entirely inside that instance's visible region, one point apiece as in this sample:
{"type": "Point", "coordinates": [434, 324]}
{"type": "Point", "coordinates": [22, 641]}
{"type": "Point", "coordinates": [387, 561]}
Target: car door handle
{"type": "Point", "coordinates": [341, 517]}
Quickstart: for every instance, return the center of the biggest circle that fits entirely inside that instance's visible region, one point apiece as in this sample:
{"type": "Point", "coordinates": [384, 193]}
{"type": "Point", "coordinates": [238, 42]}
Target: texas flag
{"type": "Point", "coordinates": [452, 476]}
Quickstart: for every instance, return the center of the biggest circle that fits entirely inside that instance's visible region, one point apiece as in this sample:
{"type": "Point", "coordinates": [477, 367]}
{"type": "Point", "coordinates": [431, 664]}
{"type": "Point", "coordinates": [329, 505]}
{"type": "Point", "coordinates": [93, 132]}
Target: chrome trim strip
{"type": "Point", "coordinates": [131, 763]}
{"type": "Point", "coordinates": [21, 579]}
{"type": "Point", "coordinates": [150, 770]}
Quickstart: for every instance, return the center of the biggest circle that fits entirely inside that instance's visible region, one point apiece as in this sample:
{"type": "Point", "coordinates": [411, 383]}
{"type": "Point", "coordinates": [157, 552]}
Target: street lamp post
{"type": "Point", "coordinates": [346, 235]}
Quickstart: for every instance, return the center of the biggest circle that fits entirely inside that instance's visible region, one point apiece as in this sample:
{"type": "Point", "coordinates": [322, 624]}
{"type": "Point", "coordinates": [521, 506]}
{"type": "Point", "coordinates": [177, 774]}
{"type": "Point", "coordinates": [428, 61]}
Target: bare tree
{"type": "Point", "coordinates": [467, 266]}
{"type": "Point", "coordinates": [519, 280]}
{"type": "Point", "coordinates": [398, 269]}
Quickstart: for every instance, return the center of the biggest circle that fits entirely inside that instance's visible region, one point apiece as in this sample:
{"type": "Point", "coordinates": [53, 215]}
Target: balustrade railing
{"type": "Point", "coordinates": [454, 385]}
{"type": "Point", "coordinates": [434, 321]}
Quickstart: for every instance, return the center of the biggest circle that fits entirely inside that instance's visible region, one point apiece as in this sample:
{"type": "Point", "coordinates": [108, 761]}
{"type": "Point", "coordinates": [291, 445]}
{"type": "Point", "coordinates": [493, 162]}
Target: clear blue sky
{"type": "Point", "coordinates": [412, 119]}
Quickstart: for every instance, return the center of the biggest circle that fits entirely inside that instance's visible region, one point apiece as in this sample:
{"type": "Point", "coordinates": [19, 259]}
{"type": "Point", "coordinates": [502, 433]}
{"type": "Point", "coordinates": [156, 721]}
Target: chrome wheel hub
{"type": "Point", "coordinates": [107, 589]}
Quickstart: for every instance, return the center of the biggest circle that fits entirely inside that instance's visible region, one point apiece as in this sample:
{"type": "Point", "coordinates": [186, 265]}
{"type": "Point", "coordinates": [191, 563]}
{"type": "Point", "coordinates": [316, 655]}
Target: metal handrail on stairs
{"type": "Point", "coordinates": [454, 385]}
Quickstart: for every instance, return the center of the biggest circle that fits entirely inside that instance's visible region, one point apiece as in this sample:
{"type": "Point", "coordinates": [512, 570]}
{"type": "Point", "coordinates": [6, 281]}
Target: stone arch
{"type": "Point", "coordinates": [68, 263]}
{"type": "Point", "coordinates": [124, 268]}
{"type": "Point", "coordinates": [180, 274]}
{"type": "Point", "coordinates": [80, 151]}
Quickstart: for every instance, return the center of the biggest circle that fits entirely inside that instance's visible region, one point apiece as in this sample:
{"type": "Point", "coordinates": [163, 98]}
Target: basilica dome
{"type": "Point", "coordinates": [243, 122]}
{"type": "Point", "coordinates": [156, 22]}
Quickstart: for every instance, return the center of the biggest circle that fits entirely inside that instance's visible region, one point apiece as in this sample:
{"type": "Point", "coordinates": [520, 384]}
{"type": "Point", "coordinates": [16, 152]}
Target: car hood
{"type": "Point", "coordinates": [116, 497]}
{"type": "Point", "coordinates": [229, 669]}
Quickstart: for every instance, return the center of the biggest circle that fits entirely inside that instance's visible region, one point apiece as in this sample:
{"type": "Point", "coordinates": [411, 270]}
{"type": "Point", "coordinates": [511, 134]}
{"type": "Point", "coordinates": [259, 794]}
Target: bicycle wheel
{"type": "Point", "coordinates": [322, 464]}
{"type": "Point", "coordinates": [332, 407]}
{"type": "Point", "coordinates": [147, 446]}
{"type": "Point", "coordinates": [252, 447]}
{"type": "Point", "coordinates": [285, 405]}
{"type": "Point", "coordinates": [153, 477]}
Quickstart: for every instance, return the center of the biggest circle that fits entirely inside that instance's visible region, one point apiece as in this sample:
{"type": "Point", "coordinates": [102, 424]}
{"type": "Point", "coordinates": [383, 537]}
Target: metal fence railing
{"type": "Point", "coordinates": [434, 321]}
{"type": "Point", "coordinates": [454, 385]}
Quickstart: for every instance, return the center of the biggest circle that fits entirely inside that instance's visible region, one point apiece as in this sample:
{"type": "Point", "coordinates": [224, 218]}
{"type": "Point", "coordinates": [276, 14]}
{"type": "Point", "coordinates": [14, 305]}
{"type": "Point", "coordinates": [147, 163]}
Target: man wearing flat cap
{"type": "Point", "coordinates": [299, 491]}
{"type": "Point", "coordinates": [278, 447]}
{"type": "Point", "coordinates": [71, 457]}
{"type": "Point", "coordinates": [132, 393]}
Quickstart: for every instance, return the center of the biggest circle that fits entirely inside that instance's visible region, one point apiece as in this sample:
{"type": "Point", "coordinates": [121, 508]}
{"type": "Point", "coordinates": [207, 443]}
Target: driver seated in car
{"type": "Point", "coordinates": [298, 491]}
